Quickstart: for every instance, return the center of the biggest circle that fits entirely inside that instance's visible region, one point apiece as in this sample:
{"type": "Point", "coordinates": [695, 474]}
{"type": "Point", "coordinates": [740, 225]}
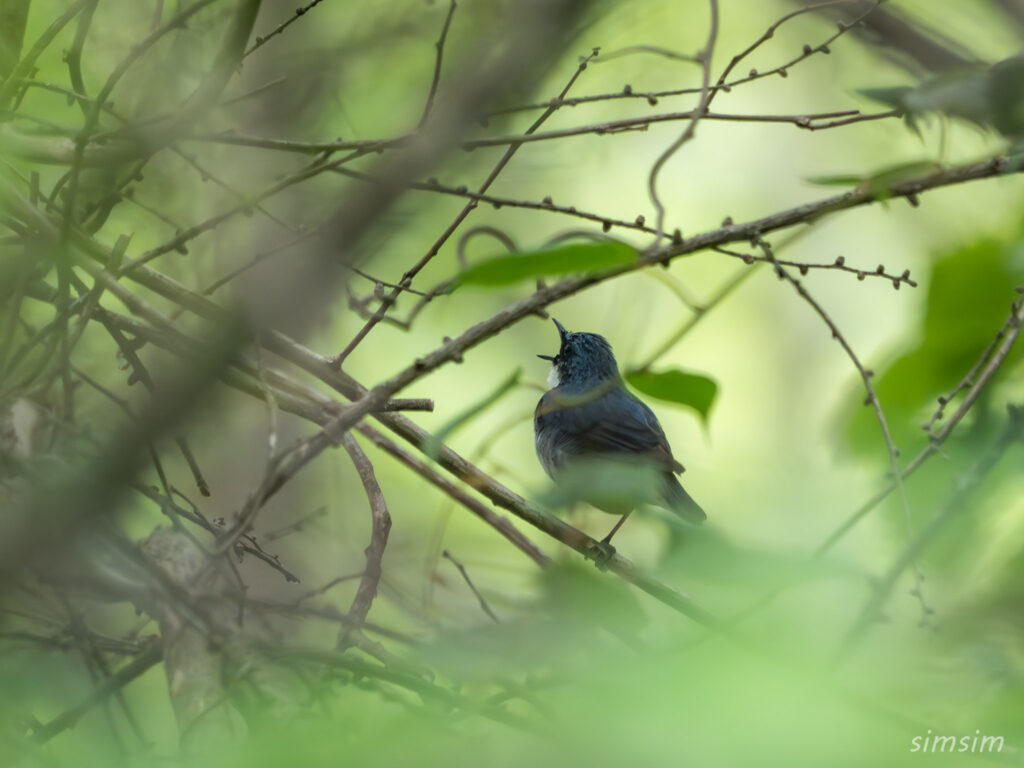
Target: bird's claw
{"type": "Point", "coordinates": [602, 553]}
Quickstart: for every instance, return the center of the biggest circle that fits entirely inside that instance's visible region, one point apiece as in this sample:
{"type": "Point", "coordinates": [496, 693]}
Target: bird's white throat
{"type": "Point", "coordinates": [553, 379]}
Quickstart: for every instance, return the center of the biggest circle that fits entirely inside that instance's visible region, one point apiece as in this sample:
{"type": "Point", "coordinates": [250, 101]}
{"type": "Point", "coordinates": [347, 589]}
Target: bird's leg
{"type": "Point", "coordinates": [608, 539]}
{"type": "Point", "coordinates": [607, 551]}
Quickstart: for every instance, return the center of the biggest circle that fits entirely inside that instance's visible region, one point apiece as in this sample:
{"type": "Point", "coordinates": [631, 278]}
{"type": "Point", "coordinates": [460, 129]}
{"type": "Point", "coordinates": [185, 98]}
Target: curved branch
{"type": "Point", "coordinates": [380, 528]}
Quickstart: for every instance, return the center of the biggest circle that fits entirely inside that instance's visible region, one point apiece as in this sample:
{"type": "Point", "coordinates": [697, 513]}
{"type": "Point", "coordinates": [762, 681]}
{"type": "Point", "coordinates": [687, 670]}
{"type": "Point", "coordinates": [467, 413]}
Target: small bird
{"type": "Point", "coordinates": [589, 414]}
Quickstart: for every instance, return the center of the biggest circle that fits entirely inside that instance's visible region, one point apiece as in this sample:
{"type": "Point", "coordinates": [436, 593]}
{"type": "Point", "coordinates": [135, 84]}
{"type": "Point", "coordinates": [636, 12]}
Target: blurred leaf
{"type": "Point", "coordinates": [969, 297]}
{"type": "Point", "coordinates": [836, 181]}
{"type": "Point", "coordinates": [614, 485]}
{"type": "Point", "coordinates": [579, 257]}
{"type": "Point", "coordinates": [892, 97]}
{"type": "Point", "coordinates": [985, 95]}
{"type": "Point", "coordinates": [578, 592]}
{"type": "Point", "coordinates": [881, 181]}
{"type": "Point", "coordinates": [12, 34]}
{"type": "Point", "coordinates": [576, 599]}
{"type": "Point", "coordinates": [674, 386]}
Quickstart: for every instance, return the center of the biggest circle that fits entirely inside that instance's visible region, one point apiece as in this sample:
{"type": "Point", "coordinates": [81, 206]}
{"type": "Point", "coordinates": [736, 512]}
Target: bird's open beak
{"type": "Point", "coordinates": [562, 334]}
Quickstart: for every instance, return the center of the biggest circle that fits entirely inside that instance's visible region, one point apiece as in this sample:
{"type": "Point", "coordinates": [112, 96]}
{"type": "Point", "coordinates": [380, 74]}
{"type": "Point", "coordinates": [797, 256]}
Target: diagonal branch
{"type": "Point", "coordinates": [955, 506]}
{"type": "Point", "coordinates": [150, 657]}
{"type": "Point", "coordinates": [453, 349]}
{"type": "Point", "coordinates": [872, 399]}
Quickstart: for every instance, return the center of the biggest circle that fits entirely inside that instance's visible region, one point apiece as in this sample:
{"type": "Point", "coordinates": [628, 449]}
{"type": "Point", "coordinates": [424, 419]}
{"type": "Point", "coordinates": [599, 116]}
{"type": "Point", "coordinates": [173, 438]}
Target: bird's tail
{"type": "Point", "coordinates": [680, 502]}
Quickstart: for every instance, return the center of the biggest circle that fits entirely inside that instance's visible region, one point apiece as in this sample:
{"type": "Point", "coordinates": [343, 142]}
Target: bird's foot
{"type": "Point", "coordinates": [602, 553]}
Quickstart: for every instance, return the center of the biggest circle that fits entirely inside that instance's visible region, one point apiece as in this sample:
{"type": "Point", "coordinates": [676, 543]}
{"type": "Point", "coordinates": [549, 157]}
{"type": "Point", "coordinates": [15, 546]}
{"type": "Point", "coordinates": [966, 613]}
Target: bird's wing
{"type": "Point", "coordinates": [617, 422]}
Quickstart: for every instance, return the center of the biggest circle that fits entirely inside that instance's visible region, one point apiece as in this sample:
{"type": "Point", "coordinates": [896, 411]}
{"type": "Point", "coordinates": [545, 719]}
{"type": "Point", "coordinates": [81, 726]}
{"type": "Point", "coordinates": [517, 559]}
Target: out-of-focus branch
{"type": "Point", "coordinates": [436, 79]}
{"type": "Point", "coordinates": [13, 18]}
{"type": "Point", "coordinates": [96, 486]}
{"type": "Point", "coordinates": [812, 121]}
{"type": "Point", "coordinates": [1014, 11]}
{"type": "Point", "coordinates": [380, 527]}
{"type": "Point", "coordinates": [907, 40]}
{"type": "Point", "coordinates": [872, 398]}
{"type": "Point", "coordinates": [988, 364]}
{"type": "Point", "coordinates": [24, 67]}
{"type": "Point", "coordinates": [151, 656]}
{"type": "Point", "coordinates": [193, 662]}
{"type": "Point", "coordinates": [1009, 334]}
{"type": "Point", "coordinates": [955, 506]}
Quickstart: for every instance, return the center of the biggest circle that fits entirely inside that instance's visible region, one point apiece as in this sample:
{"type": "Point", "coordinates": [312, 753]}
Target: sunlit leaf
{"type": "Point", "coordinates": [968, 299]}
{"type": "Point", "coordinates": [674, 386]}
{"type": "Point", "coordinates": [568, 259]}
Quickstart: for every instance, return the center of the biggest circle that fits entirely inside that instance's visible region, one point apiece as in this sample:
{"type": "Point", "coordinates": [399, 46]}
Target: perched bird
{"type": "Point", "coordinates": [588, 414]}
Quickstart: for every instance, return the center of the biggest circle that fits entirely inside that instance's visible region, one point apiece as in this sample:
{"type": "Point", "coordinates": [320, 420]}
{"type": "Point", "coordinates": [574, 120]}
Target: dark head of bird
{"type": "Point", "coordinates": [583, 360]}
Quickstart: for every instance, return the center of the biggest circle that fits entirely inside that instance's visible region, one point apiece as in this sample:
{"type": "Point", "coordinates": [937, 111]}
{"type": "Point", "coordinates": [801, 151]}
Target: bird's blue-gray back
{"type": "Point", "coordinates": [612, 422]}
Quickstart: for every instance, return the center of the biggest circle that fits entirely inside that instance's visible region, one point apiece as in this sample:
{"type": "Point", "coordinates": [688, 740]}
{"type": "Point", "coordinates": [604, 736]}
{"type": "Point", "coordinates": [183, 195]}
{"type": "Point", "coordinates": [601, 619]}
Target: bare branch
{"type": "Point", "coordinates": [381, 526]}
{"type": "Point", "coordinates": [462, 215]}
{"type": "Point", "coordinates": [439, 45]}
{"type": "Point", "coordinates": [872, 400]}
{"type": "Point", "coordinates": [704, 57]}
{"type": "Point", "coordinates": [41, 733]}
{"type": "Point", "coordinates": [953, 507]}
{"type": "Point", "coordinates": [465, 576]}
{"type": "Point", "coordinates": [262, 40]}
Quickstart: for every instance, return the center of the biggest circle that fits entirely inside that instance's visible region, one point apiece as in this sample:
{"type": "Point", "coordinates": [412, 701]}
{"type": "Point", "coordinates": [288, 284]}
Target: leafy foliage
{"type": "Point", "coordinates": [566, 260]}
{"type": "Point", "coordinates": [969, 296]}
{"type": "Point", "coordinates": [691, 390]}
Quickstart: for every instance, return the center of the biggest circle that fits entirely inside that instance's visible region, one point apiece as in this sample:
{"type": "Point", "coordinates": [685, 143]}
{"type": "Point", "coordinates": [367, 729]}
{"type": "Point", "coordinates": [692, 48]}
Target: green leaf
{"type": "Point", "coordinates": [614, 485]}
{"type": "Point", "coordinates": [841, 180]}
{"type": "Point", "coordinates": [879, 182]}
{"type": "Point", "coordinates": [579, 257]}
{"type": "Point", "coordinates": [968, 298]}
{"type": "Point", "coordinates": [675, 386]}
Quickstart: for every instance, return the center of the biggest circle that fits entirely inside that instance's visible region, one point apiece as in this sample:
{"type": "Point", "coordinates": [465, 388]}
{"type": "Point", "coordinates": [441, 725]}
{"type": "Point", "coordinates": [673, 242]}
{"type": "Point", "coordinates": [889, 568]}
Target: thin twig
{"type": "Point", "coordinates": [953, 507]}
{"type": "Point", "coordinates": [465, 576]}
{"type": "Point", "coordinates": [872, 400]}
{"type": "Point", "coordinates": [407, 278]}
{"type": "Point", "coordinates": [439, 45]}
{"type": "Point", "coordinates": [262, 40]}
{"type": "Point", "coordinates": [804, 120]}
{"type": "Point", "coordinates": [839, 265]}
{"type": "Point", "coordinates": [704, 57]}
